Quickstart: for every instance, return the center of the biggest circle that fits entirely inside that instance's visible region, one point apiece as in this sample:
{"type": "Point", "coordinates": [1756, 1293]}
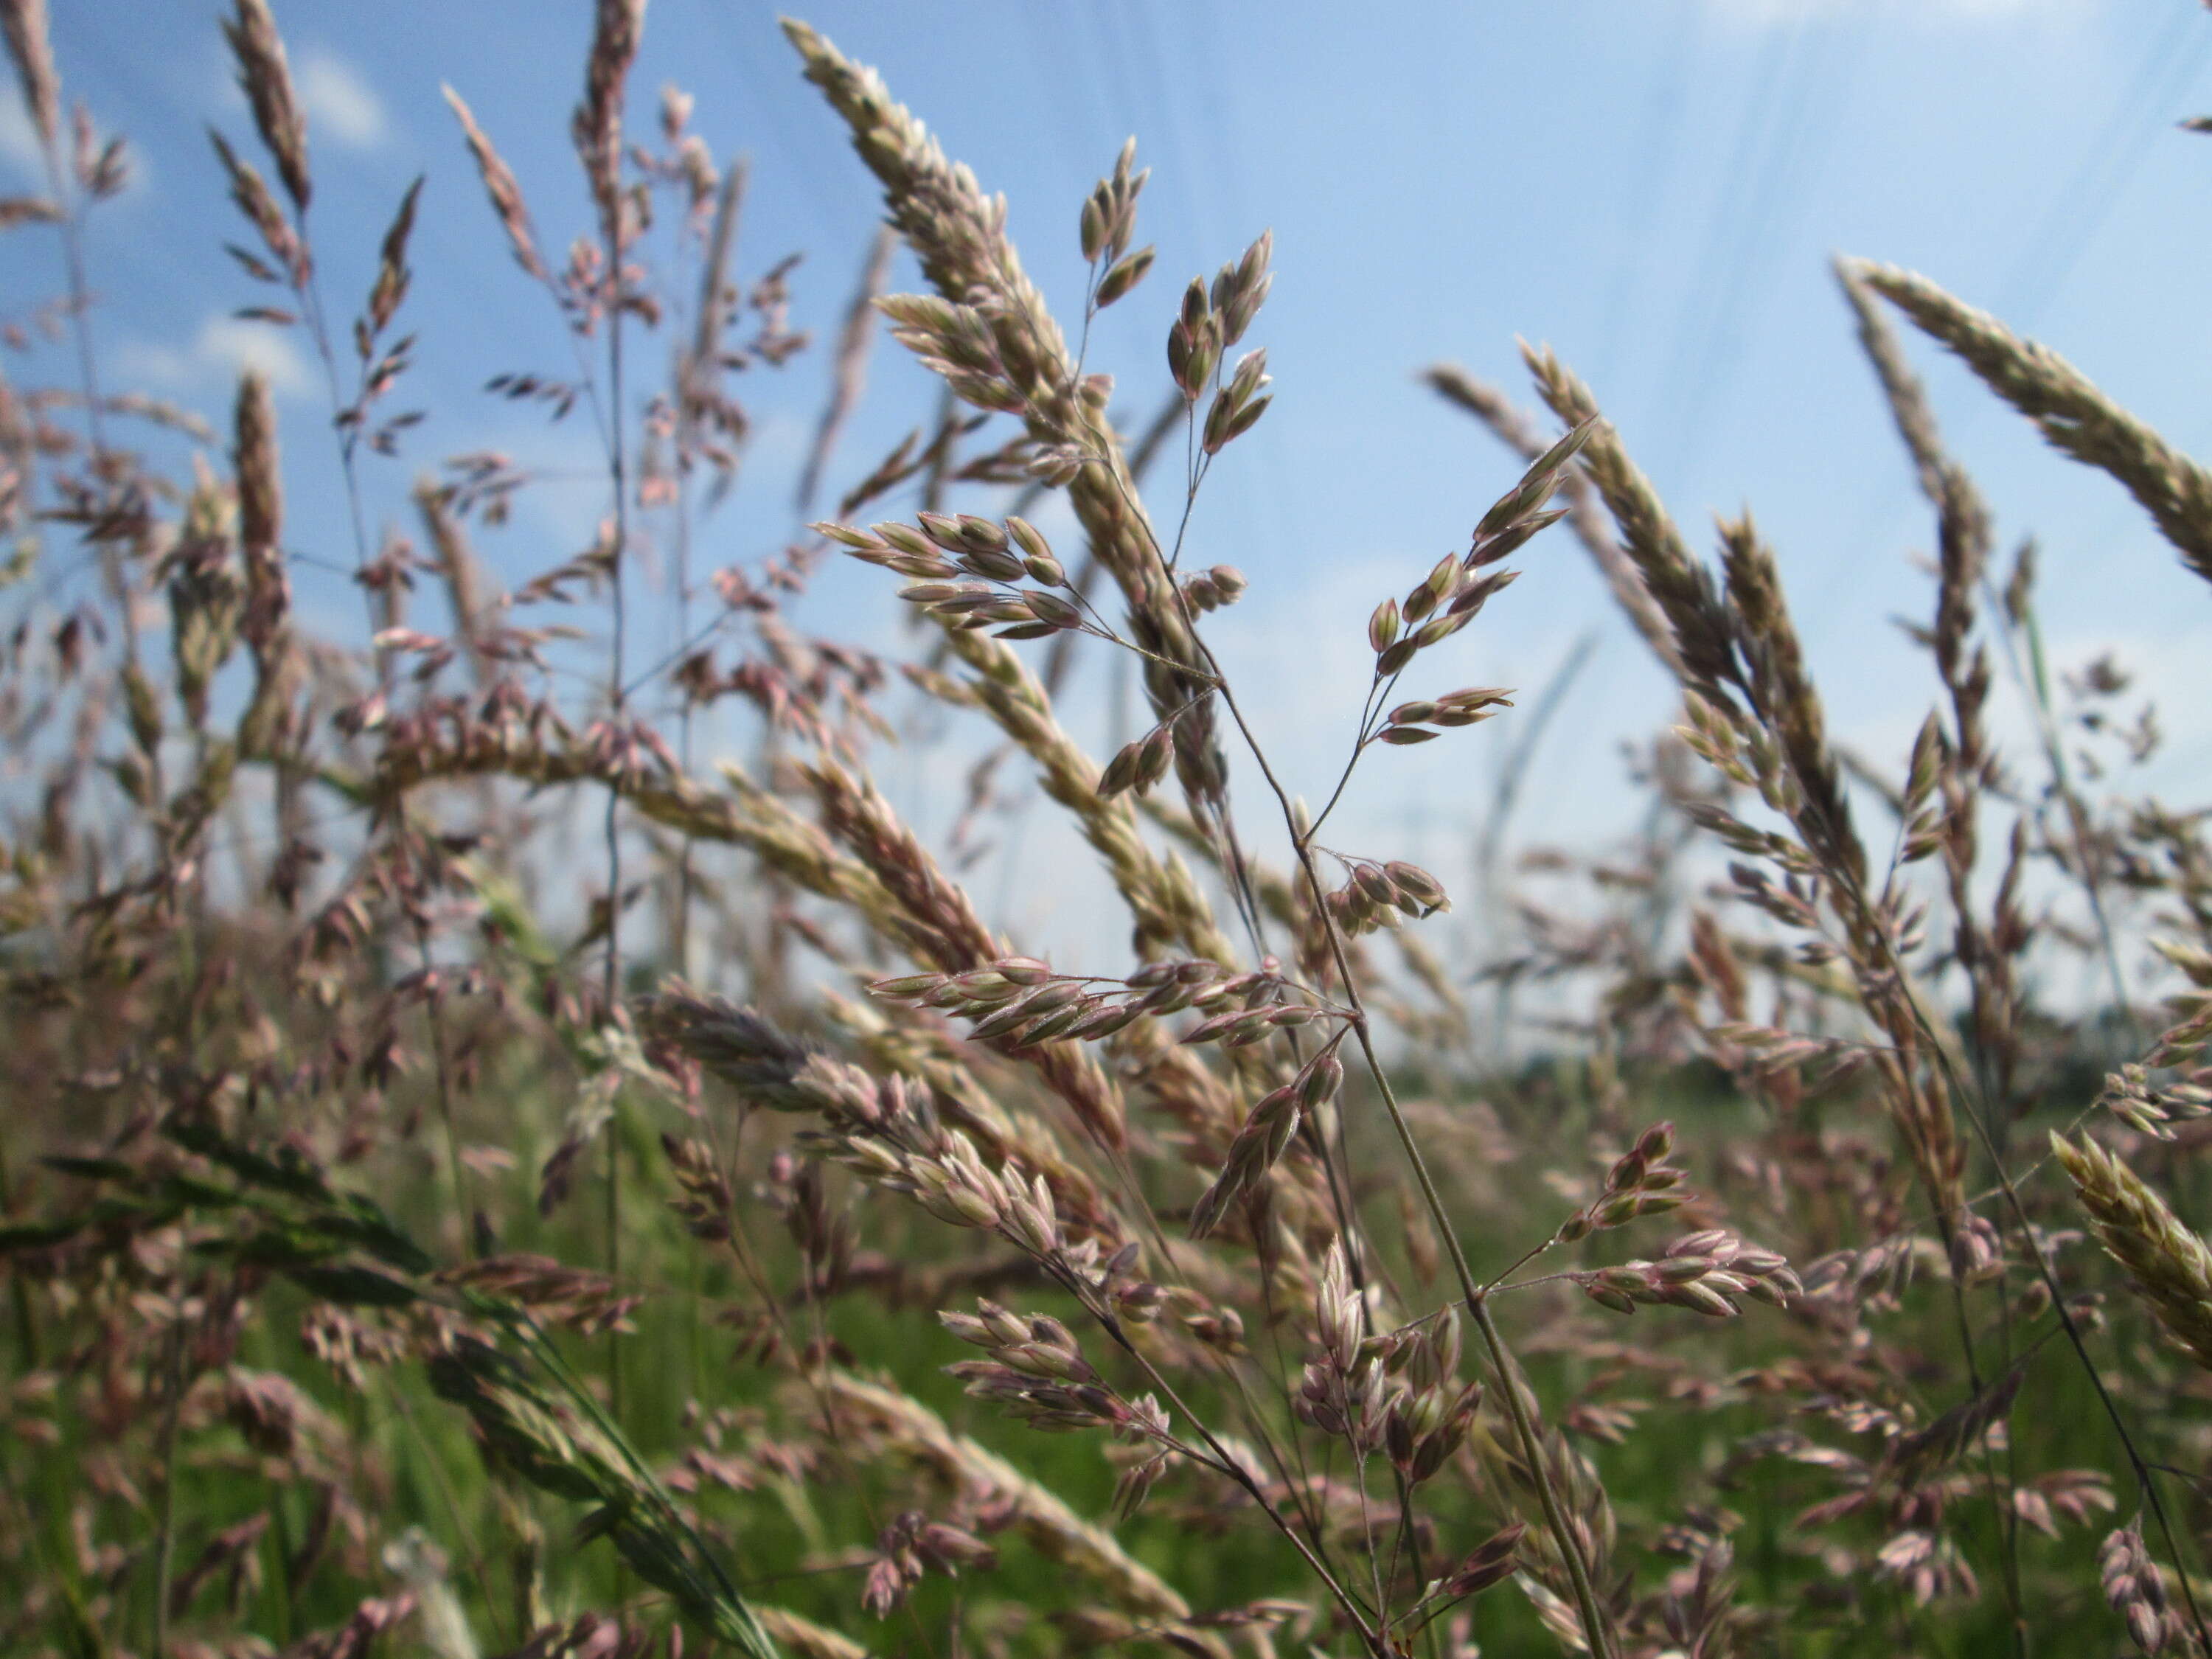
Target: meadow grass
{"type": "Point", "coordinates": [765, 1253]}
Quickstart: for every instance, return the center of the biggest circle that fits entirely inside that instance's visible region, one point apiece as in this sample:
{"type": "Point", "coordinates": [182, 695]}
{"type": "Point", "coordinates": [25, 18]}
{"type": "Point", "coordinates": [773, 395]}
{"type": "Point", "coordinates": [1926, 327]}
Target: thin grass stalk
{"type": "Point", "coordinates": [850, 372]}
{"type": "Point", "coordinates": [1519, 433]}
{"type": "Point", "coordinates": [24, 25]}
{"type": "Point", "coordinates": [1964, 537]}
{"type": "Point", "coordinates": [699, 363]}
{"type": "Point", "coordinates": [1597, 1625]}
{"type": "Point", "coordinates": [506, 195]}
{"type": "Point", "coordinates": [165, 1520]}
{"type": "Point", "coordinates": [1224, 1462]}
{"type": "Point", "coordinates": [932, 200]}
{"type": "Point", "coordinates": [464, 1534]}
{"type": "Point", "coordinates": [80, 308]}
{"type": "Point", "coordinates": [813, 1373]}
{"type": "Point", "coordinates": [1505, 794]}
{"type": "Point", "coordinates": [960, 238]}
{"type": "Point", "coordinates": [921, 1433]}
{"type": "Point", "coordinates": [1738, 646]}
{"type": "Point", "coordinates": [29, 44]}
{"type": "Point", "coordinates": [238, 1052]}
{"type": "Point", "coordinates": [597, 130]}
{"type": "Point", "coordinates": [265, 77]}
{"type": "Point", "coordinates": [1168, 907]}
{"type": "Point", "coordinates": [1964, 519]}
{"type": "Point", "coordinates": [610, 977]}
{"type": "Point", "coordinates": [19, 1290]}
{"type": "Point", "coordinates": [2034, 687]}
{"type": "Point", "coordinates": [579, 1396]}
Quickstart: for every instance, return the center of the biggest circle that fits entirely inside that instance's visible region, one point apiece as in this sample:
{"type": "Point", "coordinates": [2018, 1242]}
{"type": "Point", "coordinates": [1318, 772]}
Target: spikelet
{"type": "Point", "coordinates": [24, 23]}
{"type": "Point", "coordinates": [1050, 1527]}
{"type": "Point", "coordinates": [990, 332]}
{"type": "Point", "coordinates": [1683, 589]}
{"type": "Point", "coordinates": [266, 79]}
{"type": "Point", "coordinates": [2167, 1264]}
{"type": "Point", "coordinates": [501, 184]}
{"type": "Point", "coordinates": [804, 1638]}
{"type": "Point", "coordinates": [2065, 406]}
{"type": "Point", "coordinates": [260, 512]}
{"type": "Point", "coordinates": [596, 126]}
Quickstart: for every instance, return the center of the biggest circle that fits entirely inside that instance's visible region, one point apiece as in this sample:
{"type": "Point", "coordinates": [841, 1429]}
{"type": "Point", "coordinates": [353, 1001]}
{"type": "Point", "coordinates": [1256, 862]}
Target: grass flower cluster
{"type": "Point", "coordinates": [767, 1253]}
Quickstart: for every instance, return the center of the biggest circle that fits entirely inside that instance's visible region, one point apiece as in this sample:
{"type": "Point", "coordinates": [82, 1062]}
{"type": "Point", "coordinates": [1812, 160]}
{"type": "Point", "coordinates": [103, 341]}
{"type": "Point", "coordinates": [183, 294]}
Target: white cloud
{"type": "Point", "coordinates": [340, 101]}
{"type": "Point", "coordinates": [223, 348]}
{"type": "Point", "coordinates": [19, 139]}
{"type": "Point", "coordinates": [1768, 13]}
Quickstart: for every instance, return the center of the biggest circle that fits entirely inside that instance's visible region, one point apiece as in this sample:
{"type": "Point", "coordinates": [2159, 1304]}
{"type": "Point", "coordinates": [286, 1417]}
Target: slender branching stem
{"type": "Point", "coordinates": [165, 1525]}
{"type": "Point", "coordinates": [1596, 1625]}
{"type": "Point", "coordinates": [1227, 1465]}
{"type": "Point", "coordinates": [611, 967]}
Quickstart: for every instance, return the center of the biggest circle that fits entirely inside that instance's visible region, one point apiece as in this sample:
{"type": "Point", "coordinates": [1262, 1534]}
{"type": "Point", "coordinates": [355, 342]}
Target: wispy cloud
{"type": "Point", "coordinates": [340, 101]}
{"type": "Point", "coordinates": [1767, 13]}
{"type": "Point", "coordinates": [223, 348]}
{"type": "Point", "coordinates": [19, 139]}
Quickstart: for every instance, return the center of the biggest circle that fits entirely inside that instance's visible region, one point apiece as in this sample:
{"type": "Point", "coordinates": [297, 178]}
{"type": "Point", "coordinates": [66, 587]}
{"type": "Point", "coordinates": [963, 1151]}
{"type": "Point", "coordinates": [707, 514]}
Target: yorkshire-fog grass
{"type": "Point", "coordinates": [516, 1146]}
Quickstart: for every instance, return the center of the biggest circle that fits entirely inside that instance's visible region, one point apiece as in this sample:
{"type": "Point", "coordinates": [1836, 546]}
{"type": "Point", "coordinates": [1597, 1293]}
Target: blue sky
{"type": "Point", "coordinates": [1654, 187]}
